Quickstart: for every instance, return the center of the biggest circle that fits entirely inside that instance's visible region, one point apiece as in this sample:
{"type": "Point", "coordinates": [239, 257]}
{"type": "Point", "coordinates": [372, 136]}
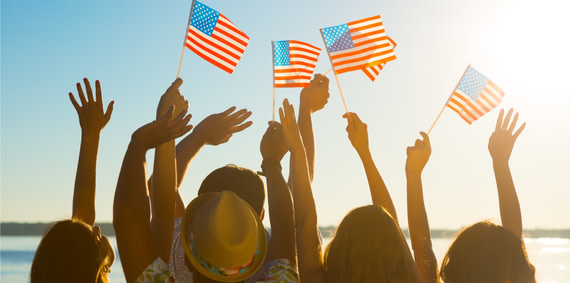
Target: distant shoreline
{"type": "Point", "coordinates": [38, 229]}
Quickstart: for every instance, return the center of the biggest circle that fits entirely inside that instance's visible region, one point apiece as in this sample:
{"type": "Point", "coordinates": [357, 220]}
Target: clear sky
{"type": "Point", "coordinates": [133, 48]}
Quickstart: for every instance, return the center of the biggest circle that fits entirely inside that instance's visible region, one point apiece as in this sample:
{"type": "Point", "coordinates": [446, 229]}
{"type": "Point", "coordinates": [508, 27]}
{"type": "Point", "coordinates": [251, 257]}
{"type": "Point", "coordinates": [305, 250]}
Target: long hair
{"type": "Point", "coordinates": [487, 252]}
{"type": "Point", "coordinates": [69, 252]}
{"type": "Point", "coordinates": [369, 246]}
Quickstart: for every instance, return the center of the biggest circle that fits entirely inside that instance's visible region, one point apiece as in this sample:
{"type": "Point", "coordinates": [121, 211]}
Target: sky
{"type": "Point", "coordinates": [134, 49]}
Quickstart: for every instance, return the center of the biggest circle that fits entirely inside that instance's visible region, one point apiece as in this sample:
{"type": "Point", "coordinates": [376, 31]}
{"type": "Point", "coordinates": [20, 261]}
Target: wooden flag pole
{"type": "Point", "coordinates": [184, 42]}
{"type": "Point", "coordinates": [445, 105]}
{"type": "Point", "coordinates": [327, 72]}
{"type": "Point", "coordinates": [273, 82]}
{"type": "Point", "coordinates": [334, 71]}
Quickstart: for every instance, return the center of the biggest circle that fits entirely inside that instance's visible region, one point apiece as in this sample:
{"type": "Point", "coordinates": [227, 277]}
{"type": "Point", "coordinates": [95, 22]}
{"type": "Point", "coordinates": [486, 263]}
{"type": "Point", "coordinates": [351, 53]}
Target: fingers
{"type": "Point", "coordinates": [98, 95]}
{"type": "Point", "coordinates": [513, 123]}
{"type": "Point", "coordinates": [109, 111]}
{"type": "Point", "coordinates": [507, 119]}
{"type": "Point", "coordinates": [499, 120]}
{"type": "Point", "coordinates": [74, 102]}
{"type": "Point", "coordinates": [519, 131]}
{"type": "Point", "coordinates": [240, 128]}
{"type": "Point", "coordinates": [80, 94]}
{"type": "Point", "coordinates": [168, 114]}
{"type": "Point", "coordinates": [175, 85]}
{"type": "Point", "coordinates": [426, 139]}
{"type": "Point", "coordinates": [228, 111]}
{"type": "Point", "coordinates": [88, 90]}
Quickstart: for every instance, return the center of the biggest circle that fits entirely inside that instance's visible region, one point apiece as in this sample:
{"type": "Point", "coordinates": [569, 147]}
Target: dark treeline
{"type": "Point", "coordinates": [38, 229]}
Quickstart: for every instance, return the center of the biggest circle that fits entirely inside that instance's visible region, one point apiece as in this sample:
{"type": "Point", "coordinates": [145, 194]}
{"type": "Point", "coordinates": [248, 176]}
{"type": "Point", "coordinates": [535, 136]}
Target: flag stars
{"type": "Point", "coordinates": [281, 57]}
{"type": "Point", "coordinates": [204, 18]}
{"type": "Point", "coordinates": [338, 38]}
{"type": "Point", "coordinates": [473, 83]}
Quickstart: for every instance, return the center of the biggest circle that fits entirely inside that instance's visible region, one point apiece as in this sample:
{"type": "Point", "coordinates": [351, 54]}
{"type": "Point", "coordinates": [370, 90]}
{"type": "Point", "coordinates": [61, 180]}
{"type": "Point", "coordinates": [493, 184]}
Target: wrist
{"type": "Point", "coordinates": [269, 165]}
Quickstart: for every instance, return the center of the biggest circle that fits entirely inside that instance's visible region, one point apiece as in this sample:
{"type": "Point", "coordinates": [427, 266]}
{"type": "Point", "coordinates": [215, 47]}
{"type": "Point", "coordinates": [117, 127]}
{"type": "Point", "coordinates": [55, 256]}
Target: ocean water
{"type": "Point", "coordinates": [550, 256]}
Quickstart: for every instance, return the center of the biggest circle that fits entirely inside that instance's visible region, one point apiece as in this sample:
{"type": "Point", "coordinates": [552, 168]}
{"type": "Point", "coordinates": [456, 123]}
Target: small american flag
{"type": "Point", "coordinates": [215, 38]}
{"type": "Point", "coordinates": [372, 72]}
{"type": "Point", "coordinates": [293, 63]}
{"type": "Point", "coordinates": [358, 45]}
{"type": "Point", "coordinates": [475, 96]}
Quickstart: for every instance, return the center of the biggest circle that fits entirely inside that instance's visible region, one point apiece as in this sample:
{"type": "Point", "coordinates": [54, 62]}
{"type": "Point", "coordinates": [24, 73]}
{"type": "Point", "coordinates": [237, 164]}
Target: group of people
{"type": "Point", "coordinates": [219, 235]}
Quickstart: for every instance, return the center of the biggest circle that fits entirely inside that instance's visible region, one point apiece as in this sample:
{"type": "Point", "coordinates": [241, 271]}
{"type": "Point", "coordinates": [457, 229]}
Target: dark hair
{"type": "Point", "coordinates": [369, 246]}
{"type": "Point", "coordinates": [487, 252]}
{"type": "Point", "coordinates": [69, 252]}
{"type": "Point", "coordinates": [242, 181]}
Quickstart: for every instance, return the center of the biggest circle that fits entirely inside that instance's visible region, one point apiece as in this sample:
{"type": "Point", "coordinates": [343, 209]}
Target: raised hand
{"type": "Point", "coordinates": [502, 140]}
{"type": "Point", "coordinates": [316, 95]}
{"type": "Point", "coordinates": [91, 116]}
{"type": "Point", "coordinates": [357, 132]}
{"type": "Point", "coordinates": [163, 129]}
{"type": "Point", "coordinates": [290, 127]}
{"type": "Point", "coordinates": [172, 96]}
{"type": "Point", "coordinates": [418, 155]}
{"type": "Point", "coordinates": [273, 146]}
{"type": "Point", "coordinates": [219, 128]}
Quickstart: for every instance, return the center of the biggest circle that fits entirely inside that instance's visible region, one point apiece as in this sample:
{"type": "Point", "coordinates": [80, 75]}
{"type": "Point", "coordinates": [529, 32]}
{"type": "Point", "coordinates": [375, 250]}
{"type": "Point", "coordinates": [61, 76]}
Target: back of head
{"type": "Point", "coordinates": [242, 181]}
{"type": "Point", "coordinates": [68, 252]}
{"type": "Point", "coordinates": [369, 246]}
{"type": "Point", "coordinates": [486, 252]}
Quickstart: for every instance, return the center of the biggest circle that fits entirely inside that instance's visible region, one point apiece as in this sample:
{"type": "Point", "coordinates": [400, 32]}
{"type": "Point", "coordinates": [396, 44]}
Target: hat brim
{"type": "Point", "coordinates": [184, 230]}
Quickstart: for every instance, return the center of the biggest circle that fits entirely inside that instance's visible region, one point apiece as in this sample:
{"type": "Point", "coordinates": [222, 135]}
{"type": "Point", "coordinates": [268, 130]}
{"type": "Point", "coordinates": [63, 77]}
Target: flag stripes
{"type": "Point", "coordinates": [374, 71]}
{"type": "Point", "coordinates": [358, 44]}
{"type": "Point", "coordinates": [223, 47]}
{"type": "Point", "coordinates": [294, 63]}
{"type": "Point", "coordinates": [470, 110]}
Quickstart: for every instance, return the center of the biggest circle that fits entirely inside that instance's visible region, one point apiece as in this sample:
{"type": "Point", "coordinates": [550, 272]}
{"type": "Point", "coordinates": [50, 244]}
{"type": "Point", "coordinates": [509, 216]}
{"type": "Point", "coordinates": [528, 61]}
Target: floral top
{"type": "Point", "coordinates": [277, 271]}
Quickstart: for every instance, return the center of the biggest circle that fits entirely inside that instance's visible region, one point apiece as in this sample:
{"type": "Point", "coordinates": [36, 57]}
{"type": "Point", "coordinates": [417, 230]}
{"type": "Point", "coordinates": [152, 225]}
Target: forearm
{"type": "Point", "coordinates": [131, 214]}
{"type": "Point", "coordinates": [308, 242]}
{"type": "Point", "coordinates": [163, 194]}
{"type": "Point", "coordinates": [282, 242]}
{"type": "Point", "coordinates": [186, 150]}
{"type": "Point", "coordinates": [418, 226]}
{"type": "Point", "coordinates": [508, 200]}
{"type": "Point", "coordinates": [305, 122]}
{"type": "Point", "coordinates": [85, 179]}
{"type": "Point", "coordinates": [378, 189]}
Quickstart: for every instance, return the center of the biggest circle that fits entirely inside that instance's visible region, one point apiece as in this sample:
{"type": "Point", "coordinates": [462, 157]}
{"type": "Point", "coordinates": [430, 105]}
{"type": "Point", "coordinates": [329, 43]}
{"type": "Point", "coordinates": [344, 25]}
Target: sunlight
{"type": "Point", "coordinates": [532, 45]}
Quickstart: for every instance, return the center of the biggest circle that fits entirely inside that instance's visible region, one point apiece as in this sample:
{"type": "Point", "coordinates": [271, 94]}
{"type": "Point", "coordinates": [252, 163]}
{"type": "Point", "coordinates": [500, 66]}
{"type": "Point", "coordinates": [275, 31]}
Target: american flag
{"type": "Point", "coordinates": [372, 72]}
{"type": "Point", "coordinates": [358, 45]}
{"type": "Point", "coordinates": [293, 63]}
{"type": "Point", "coordinates": [215, 38]}
{"type": "Point", "coordinates": [475, 96]}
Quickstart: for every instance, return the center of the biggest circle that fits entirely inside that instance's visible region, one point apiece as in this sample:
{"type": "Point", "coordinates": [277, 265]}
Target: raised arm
{"type": "Point", "coordinates": [215, 129]}
{"type": "Point", "coordinates": [308, 242]}
{"type": "Point", "coordinates": [418, 225]}
{"type": "Point", "coordinates": [282, 242]}
{"type": "Point", "coordinates": [313, 98]}
{"type": "Point", "coordinates": [163, 189]}
{"type": "Point", "coordinates": [92, 120]}
{"type": "Point", "coordinates": [131, 208]}
{"type": "Point", "coordinates": [501, 145]}
{"type": "Point", "coordinates": [358, 136]}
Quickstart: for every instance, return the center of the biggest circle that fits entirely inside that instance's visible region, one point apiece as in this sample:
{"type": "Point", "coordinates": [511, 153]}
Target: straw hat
{"type": "Point", "coordinates": [223, 237]}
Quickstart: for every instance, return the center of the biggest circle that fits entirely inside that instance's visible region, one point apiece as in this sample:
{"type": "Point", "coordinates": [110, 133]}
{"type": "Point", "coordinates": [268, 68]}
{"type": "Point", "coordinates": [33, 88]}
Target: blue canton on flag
{"type": "Point", "coordinates": [282, 53]}
{"type": "Point", "coordinates": [338, 38]}
{"type": "Point", "coordinates": [473, 83]}
{"type": "Point", "coordinates": [475, 96]}
{"type": "Point", "coordinates": [204, 18]}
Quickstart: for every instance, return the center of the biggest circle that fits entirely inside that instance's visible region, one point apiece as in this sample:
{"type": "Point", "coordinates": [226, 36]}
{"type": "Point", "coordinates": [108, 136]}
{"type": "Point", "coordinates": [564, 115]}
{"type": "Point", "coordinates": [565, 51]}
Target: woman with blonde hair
{"type": "Point", "coordinates": [483, 252]}
{"type": "Point", "coordinates": [368, 245]}
{"type": "Point", "coordinates": [74, 250]}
